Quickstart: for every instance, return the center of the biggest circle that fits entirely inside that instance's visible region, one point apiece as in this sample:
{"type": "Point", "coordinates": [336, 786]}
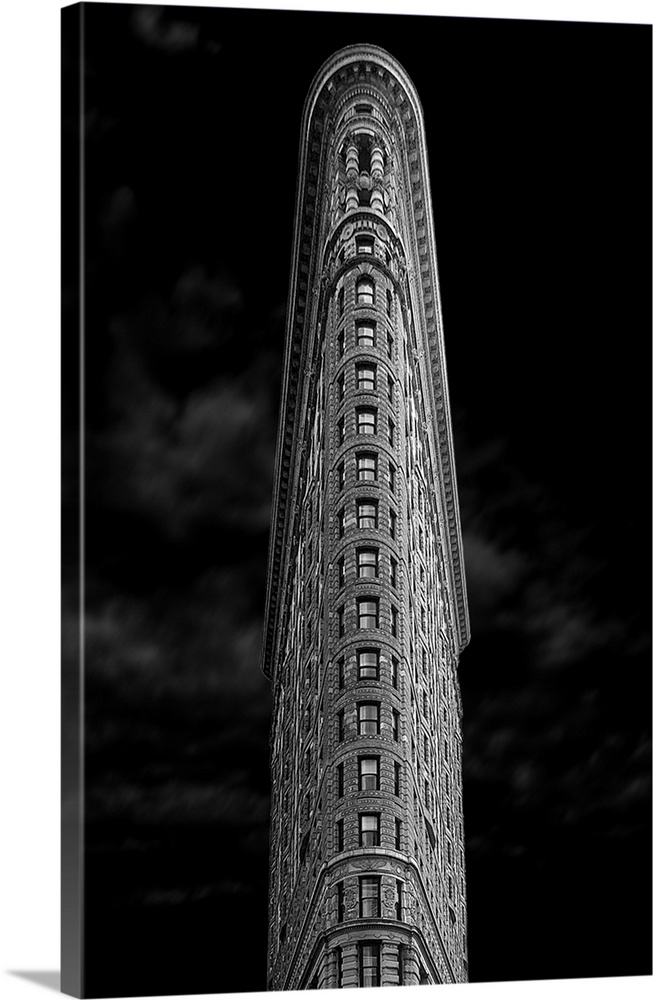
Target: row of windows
{"type": "Point", "coordinates": [367, 614]}
{"type": "Point", "coordinates": [367, 423]}
{"type": "Point", "coordinates": [367, 470]}
{"type": "Point", "coordinates": [366, 338]}
{"type": "Point", "coordinates": [369, 776]}
{"type": "Point", "coordinates": [366, 381]}
{"type": "Point", "coordinates": [368, 720]}
{"type": "Point", "coordinates": [365, 286]}
{"type": "Point", "coordinates": [367, 566]}
{"type": "Point", "coordinates": [367, 516]}
{"type": "Point", "coordinates": [367, 663]}
{"type": "Point", "coordinates": [369, 898]}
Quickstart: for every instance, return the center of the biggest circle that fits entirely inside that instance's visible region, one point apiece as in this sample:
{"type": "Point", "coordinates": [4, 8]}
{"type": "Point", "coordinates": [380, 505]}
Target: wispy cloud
{"type": "Point", "coordinates": [158, 29]}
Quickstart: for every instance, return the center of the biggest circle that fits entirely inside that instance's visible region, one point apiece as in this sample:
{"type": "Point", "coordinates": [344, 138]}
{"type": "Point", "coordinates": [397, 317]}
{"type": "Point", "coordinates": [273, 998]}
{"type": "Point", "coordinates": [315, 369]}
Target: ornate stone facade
{"type": "Point", "coordinates": [366, 611]}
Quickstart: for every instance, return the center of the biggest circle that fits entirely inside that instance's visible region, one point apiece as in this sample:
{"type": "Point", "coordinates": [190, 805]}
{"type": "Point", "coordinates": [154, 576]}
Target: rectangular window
{"type": "Point", "coordinates": [341, 571]}
{"type": "Point", "coordinates": [366, 334]}
{"type": "Point", "coordinates": [339, 968]}
{"type": "Point", "coordinates": [397, 834]}
{"type": "Point", "coordinates": [388, 302]}
{"type": "Point", "coordinates": [397, 779]}
{"type": "Point", "coordinates": [366, 378]}
{"type": "Point", "coordinates": [392, 478]}
{"type": "Point", "coordinates": [341, 302]}
{"type": "Point", "coordinates": [364, 244]}
{"type": "Point", "coordinates": [391, 389]}
{"type": "Point", "coordinates": [368, 828]}
{"type": "Point", "coordinates": [390, 345]}
{"type": "Point", "coordinates": [391, 433]}
{"type": "Point", "coordinates": [341, 523]}
{"type": "Point", "coordinates": [368, 774]}
{"type": "Point", "coordinates": [399, 900]}
{"type": "Point", "coordinates": [341, 344]}
{"type": "Point", "coordinates": [392, 520]}
{"type": "Point", "coordinates": [395, 724]}
{"type": "Point", "coordinates": [340, 835]}
{"type": "Point", "coordinates": [341, 387]}
{"type": "Point", "coordinates": [341, 673]}
{"type": "Point", "coordinates": [393, 572]}
{"type": "Point", "coordinates": [341, 476]}
{"type": "Point", "coordinates": [427, 794]}
{"type": "Point", "coordinates": [366, 421]}
{"type": "Point", "coordinates": [366, 466]}
{"type": "Point", "coordinates": [341, 622]}
{"type": "Point", "coordinates": [367, 512]}
{"type": "Point", "coordinates": [367, 562]}
{"type": "Point", "coordinates": [369, 896]}
{"type": "Point", "coordinates": [341, 431]}
{"type": "Point", "coordinates": [340, 901]}
{"type": "Point", "coordinates": [340, 771]}
{"type": "Point", "coordinates": [368, 664]}
{"type": "Point", "coordinates": [341, 725]}
{"type": "Point", "coordinates": [394, 672]}
{"type": "Point", "coordinates": [368, 718]}
{"type": "Point", "coordinates": [368, 612]}
{"type": "Point", "coordinates": [394, 621]}
{"type": "Point", "coordinates": [369, 964]}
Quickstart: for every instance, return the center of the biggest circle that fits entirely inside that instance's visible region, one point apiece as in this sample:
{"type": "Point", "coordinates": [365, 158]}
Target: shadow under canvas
{"type": "Point", "coordinates": [50, 979]}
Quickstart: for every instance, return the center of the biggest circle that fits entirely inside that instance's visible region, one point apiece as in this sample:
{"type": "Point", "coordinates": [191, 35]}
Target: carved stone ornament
{"type": "Point", "coordinates": [347, 231]}
{"type": "Point", "coordinates": [382, 232]}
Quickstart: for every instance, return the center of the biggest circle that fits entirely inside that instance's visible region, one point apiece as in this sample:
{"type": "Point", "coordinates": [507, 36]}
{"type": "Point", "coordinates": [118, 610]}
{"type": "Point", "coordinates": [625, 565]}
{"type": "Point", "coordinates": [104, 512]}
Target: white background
{"type": "Point", "coordinates": [29, 504]}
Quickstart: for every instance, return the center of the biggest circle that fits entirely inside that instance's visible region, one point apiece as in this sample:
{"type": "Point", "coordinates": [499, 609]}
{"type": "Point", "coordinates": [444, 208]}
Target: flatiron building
{"type": "Point", "coordinates": [366, 609]}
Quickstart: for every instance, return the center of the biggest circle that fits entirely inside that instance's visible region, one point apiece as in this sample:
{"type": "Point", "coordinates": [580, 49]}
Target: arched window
{"type": "Point", "coordinates": [365, 292]}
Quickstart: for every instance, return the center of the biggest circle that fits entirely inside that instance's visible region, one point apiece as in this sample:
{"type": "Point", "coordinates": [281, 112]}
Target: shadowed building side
{"type": "Point", "coordinates": [366, 610]}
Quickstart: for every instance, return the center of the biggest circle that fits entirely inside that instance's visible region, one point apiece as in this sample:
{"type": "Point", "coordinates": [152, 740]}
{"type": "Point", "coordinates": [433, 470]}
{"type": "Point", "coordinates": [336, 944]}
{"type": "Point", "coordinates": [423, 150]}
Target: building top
{"type": "Point", "coordinates": [357, 70]}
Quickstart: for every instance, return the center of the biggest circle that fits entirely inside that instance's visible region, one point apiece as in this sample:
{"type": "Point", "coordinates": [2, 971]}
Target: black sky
{"type": "Point", "coordinates": [540, 154]}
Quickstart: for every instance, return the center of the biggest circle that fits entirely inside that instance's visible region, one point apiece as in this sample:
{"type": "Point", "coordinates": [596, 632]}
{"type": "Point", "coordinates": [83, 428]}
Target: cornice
{"type": "Point", "coordinates": [381, 71]}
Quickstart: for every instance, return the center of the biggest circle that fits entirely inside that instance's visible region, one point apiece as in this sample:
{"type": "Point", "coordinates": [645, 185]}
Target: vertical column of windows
{"type": "Point", "coordinates": [368, 565]}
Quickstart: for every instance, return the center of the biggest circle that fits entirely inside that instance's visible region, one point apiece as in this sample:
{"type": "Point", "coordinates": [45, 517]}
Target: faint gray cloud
{"type": "Point", "coordinates": [116, 217]}
{"type": "Point", "coordinates": [196, 287]}
{"type": "Point", "coordinates": [230, 802]}
{"type": "Point", "coordinates": [205, 461]}
{"type": "Point", "coordinates": [202, 643]}
{"type": "Point", "coordinates": [158, 29]}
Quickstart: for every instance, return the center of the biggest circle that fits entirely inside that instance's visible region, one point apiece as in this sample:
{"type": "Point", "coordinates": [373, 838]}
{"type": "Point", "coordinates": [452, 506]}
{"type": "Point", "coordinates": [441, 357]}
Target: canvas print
{"type": "Point", "coordinates": [356, 352]}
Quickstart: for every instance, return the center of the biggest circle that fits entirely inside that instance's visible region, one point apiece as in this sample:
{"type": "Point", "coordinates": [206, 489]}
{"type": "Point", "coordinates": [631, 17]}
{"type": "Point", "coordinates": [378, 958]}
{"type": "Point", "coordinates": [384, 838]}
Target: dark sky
{"type": "Point", "coordinates": [540, 153]}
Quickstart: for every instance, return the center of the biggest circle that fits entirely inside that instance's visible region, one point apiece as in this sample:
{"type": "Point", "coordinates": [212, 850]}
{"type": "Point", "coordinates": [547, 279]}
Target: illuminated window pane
{"type": "Point", "coordinates": [368, 718]}
{"type": "Point", "coordinates": [367, 466]}
{"type": "Point", "coordinates": [368, 664]}
{"type": "Point", "coordinates": [368, 562]}
{"type": "Point", "coordinates": [368, 824]}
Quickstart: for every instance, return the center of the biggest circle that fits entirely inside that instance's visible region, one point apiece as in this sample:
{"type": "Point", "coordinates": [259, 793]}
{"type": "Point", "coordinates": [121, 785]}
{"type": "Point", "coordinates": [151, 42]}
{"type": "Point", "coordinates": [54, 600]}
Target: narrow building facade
{"type": "Point", "coordinates": [366, 609]}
